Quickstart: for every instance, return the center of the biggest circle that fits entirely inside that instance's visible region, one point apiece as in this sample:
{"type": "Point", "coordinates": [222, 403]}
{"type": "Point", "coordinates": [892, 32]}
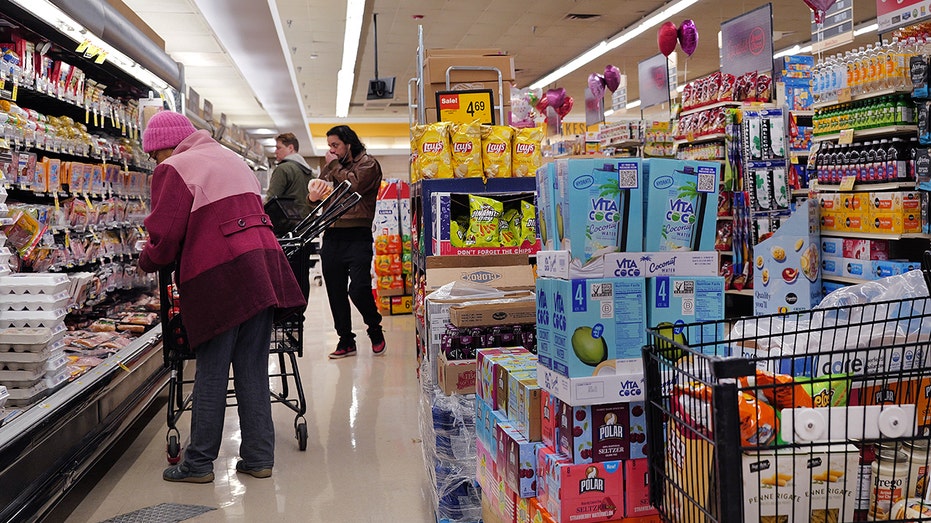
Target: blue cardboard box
{"type": "Point", "coordinates": [678, 300]}
{"type": "Point", "coordinates": [681, 205]}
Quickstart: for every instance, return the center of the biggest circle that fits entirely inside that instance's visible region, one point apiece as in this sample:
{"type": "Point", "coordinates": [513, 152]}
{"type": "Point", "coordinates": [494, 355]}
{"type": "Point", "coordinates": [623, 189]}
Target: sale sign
{"type": "Point", "coordinates": [465, 106]}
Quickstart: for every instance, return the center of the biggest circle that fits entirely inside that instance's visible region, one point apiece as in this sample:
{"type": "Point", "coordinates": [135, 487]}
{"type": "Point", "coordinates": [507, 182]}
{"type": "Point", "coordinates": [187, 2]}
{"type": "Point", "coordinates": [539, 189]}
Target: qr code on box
{"type": "Point", "coordinates": [601, 291]}
{"type": "Point", "coordinates": [707, 182]}
{"type": "Point", "coordinates": [627, 175]}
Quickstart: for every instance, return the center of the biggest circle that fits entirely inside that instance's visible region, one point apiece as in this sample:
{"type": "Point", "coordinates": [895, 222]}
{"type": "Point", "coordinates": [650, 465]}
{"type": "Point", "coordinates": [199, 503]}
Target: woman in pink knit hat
{"type": "Point", "coordinates": [207, 218]}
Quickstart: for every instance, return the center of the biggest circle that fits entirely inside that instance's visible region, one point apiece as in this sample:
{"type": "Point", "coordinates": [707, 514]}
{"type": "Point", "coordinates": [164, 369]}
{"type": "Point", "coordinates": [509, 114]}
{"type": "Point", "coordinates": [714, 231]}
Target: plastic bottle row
{"type": "Point", "coordinates": [876, 161]}
{"type": "Point", "coordinates": [865, 70]}
{"type": "Point", "coordinates": [882, 111]}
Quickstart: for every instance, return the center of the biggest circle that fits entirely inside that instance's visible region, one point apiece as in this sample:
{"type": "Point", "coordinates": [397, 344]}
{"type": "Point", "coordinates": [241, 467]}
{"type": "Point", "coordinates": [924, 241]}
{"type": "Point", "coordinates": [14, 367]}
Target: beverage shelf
{"type": "Point", "coordinates": [876, 236]}
{"type": "Point", "coordinates": [714, 137]}
{"type": "Point", "coordinates": [867, 96]}
{"type": "Point", "coordinates": [864, 133]}
{"type": "Point", "coordinates": [868, 187]}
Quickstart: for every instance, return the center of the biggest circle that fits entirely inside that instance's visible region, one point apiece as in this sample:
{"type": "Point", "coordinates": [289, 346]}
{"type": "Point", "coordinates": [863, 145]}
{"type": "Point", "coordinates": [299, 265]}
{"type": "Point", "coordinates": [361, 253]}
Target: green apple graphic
{"type": "Point", "coordinates": [590, 350]}
{"type": "Point", "coordinates": [668, 332]}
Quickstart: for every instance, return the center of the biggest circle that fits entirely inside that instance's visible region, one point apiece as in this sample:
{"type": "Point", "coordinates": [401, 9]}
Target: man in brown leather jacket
{"type": "Point", "coordinates": [347, 249]}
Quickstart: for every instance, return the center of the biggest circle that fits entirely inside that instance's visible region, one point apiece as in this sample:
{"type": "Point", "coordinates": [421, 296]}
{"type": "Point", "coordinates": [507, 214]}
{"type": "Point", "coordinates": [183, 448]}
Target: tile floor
{"type": "Point", "coordinates": [363, 461]}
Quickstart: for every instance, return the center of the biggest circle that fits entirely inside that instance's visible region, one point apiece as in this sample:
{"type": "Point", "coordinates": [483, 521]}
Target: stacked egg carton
{"type": "Point", "coordinates": [5, 253]}
{"type": "Point", "coordinates": [32, 328]}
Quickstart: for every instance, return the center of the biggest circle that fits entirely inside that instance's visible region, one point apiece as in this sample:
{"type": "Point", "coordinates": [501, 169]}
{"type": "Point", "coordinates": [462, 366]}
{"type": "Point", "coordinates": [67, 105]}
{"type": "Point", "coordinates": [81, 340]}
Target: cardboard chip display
{"type": "Point", "coordinates": [502, 271]}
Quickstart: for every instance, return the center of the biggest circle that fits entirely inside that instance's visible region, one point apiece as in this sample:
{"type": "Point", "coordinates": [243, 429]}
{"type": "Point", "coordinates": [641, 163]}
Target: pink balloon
{"type": "Point", "coordinates": [666, 38]}
{"type": "Point", "coordinates": [566, 106]}
{"type": "Point", "coordinates": [688, 37]}
{"type": "Point", "coordinates": [612, 77]}
{"type": "Point", "coordinates": [597, 84]}
{"type": "Point", "coordinates": [819, 7]}
{"type": "Point", "coordinates": [556, 97]}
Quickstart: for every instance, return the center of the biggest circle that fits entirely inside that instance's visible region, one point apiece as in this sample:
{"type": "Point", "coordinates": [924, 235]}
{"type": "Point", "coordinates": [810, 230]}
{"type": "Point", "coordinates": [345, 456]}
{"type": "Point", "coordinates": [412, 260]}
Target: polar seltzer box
{"type": "Point", "coordinates": [597, 325]}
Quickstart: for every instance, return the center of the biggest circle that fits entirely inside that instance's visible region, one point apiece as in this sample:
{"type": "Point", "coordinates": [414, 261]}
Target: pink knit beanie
{"type": "Point", "coordinates": [166, 130]}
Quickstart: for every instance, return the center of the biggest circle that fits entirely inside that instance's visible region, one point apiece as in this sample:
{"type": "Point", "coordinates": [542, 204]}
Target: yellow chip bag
{"type": "Point", "coordinates": [496, 150]}
{"type": "Point", "coordinates": [484, 219]}
{"type": "Point", "coordinates": [467, 150]}
{"type": "Point", "coordinates": [528, 155]}
{"type": "Point", "coordinates": [509, 233]}
{"type": "Point", "coordinates": [433, 156]}
{"type": "Point", "coordinates": [415, 157]}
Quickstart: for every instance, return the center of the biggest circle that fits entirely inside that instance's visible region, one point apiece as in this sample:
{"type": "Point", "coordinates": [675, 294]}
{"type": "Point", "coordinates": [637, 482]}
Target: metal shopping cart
{"type": "Point", "coordinates": [287, 335]}
{"type": "Point", "coordinates": [821, 415]}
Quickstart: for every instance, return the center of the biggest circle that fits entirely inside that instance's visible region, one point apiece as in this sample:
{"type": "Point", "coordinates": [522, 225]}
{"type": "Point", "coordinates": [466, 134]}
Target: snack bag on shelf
{"type": "Point", "coordinates": [509, 232]}
{"type": "Point", "coordinates": [496, 150]}
{"type": "Point", "coordinates": [484, 221]}
{"type": "Point", "coordinates": [466, 142]}
{"type": "Point", "coordinates": [458, 231]}
{"type": "Point", "coordinates": [527, 155]}
{"type": "Point", "coordinates": [528, 213]}
{"type": "Point", "coordinates": [433, 156]}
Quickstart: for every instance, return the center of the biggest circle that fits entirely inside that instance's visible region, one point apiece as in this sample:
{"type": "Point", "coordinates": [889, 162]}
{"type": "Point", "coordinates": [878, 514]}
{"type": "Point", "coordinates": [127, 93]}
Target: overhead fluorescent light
{"type": "Point", "coordinates": [45, 10]}
{"type": "Point", "coordinates": [867, 29]}
{"type": "Point", "coordinates": [616, 41]}
{"type": "Point", "coordinates": [345, 78]}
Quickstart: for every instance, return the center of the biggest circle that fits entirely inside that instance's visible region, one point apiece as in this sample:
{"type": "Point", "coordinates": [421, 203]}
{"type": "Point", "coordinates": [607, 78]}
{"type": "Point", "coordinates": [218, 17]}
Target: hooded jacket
{"type": "Point", "coordinates": [289, 180]}
{"type": "Point", "coordinates": [207, 217]}
{"type": "Point", "coordinates": [364, 173]}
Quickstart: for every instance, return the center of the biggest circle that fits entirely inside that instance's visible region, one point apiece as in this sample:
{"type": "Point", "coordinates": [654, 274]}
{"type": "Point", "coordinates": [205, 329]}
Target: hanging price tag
{"type": "Point", "coordinates": [847, 183]}
{"type": "Point", "coordinates": [87, 200]}
{"type": "Point", "coordinates": [15, 89]}
{"type": "Point", "coordinates": [57, 205]}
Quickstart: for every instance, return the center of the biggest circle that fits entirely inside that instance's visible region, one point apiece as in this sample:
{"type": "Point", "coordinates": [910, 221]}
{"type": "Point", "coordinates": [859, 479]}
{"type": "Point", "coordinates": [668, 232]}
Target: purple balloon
{"type": "Point", "coordinates": [612, 77]}
{"type": "Point", "coordinates": [688, 36]}
{"type": "Point", "coordinates": [555, 97]}
{"type": "Point", "coordinates": [597, 85]}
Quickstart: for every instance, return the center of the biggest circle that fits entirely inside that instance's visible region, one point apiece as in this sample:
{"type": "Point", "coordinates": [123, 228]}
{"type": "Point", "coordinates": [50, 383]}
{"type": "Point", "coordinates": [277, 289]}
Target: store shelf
{"type": "Point", "coordinates": [800, 192]}
{"type": "Point", "coordinates": [742, 292]}
{"type": "Point", "coordinates": [867, 96]}
{"type": "Point", "coordinates": [803, 113]}
{"type": "Point", "coordinates": [875, 236]}
{"type": "Point", "coordinates": [714, 137]}
{"type": "Point", "coordinates": [725, 218]}
{"type": "Point", "coordinates": [622, 144]}
{"type": "Point", "coordinates": [844, 279]}
{"type": "Point", "coordinates": [869, 187]}
{"type": "Point", "coordinates": [865, 133]}
{"type": "Point", "coordinates": [727, 103]}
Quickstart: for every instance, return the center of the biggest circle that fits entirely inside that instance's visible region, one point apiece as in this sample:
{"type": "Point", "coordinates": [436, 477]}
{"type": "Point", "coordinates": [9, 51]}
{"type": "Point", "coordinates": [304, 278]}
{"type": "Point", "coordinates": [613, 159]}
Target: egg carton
{"type": "Point", "coordinates": [54, 380]}
{"type": "Point", "coordinates": [5, 253]}
{"type": "Point", "coordinates": [34, 283]}
{"type": "Point", "coordinates": [3, 395]}
{"type": "Point", "coordinates": [34, 302]}
{"type": "Point", "coordinates": [26, 339]}
{"type": "Point", "coordinates": [21, 378]}
{"type": "Point", "coordinates": [26, 396]}
{"type": "Point", "coordinates": [50, 319]}
{"type": "Point", "coordinates": [33, 360]}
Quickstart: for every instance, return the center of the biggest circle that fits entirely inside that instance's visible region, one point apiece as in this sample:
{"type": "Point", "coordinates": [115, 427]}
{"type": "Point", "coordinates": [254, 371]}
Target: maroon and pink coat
{"type": "Point", "coordinates": [207, 216]}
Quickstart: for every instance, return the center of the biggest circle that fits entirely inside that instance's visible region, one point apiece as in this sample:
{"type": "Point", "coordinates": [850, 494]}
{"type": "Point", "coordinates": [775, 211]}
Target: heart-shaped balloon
{"type": "Point", "coordinates": [597, 85]}
{"type": "Point", "coordinates": [556, 97]}
{"type": "Point", "coordinates": [612, 77]}
{"type": "Point", "coordinates": [688, 37]}
{"type": "Point", "coordinates": [542, 104]}
{"type": "Point", "coordinates": [566, 106]}
{"type": "Point", "coordinates": [667, 36]}
{"type": "Point", "coordinates": [819, 7]}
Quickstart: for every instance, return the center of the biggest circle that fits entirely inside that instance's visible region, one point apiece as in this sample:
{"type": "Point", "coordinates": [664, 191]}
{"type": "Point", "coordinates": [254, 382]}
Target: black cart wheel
{"type": "Point", "coordinates": [301, 436]}
{"type": "Point", "coordinates": [173, 450]}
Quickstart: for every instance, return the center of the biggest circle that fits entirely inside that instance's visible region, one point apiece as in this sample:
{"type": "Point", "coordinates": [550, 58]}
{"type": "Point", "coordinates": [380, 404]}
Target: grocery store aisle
{"type": "Point", "coordinates": [363, 461]}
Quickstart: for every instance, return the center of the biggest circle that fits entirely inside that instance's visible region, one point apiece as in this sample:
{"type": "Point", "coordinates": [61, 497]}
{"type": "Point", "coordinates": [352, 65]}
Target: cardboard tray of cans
{"type": "Point", "coordinates": [48, 319]}
{"type": "Point", "coordinates": [39, 283]}
{"type": "Point", "coordinates": [34, 302]}
{"type": "Point", "coordinates": [29, 340]}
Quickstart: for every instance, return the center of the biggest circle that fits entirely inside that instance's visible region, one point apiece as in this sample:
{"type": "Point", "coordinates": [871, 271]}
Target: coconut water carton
{"type": "Point", "coordinates": [681, 207]}
{"type": "Point", "coordinates": [676, 302]}
{"type": "Point", "coordinates": [599, 207]}
{"type": "Point", "coordinates": [546, 207]}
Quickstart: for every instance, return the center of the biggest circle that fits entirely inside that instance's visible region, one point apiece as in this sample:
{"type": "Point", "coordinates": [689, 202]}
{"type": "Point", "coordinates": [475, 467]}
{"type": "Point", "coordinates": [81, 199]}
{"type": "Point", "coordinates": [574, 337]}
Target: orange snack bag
{"type": "Point", "coordinates": [496, 150]}
{"type": "Point", "coordinates": [433, 157]}
{"type": "Point", "coordinates": [779, 390]}
{"type": "Point", "coordinates": [527, 155]}
{"type": "Point", "coordinates": [466, 142]}
{"type": "Point", "coordinates": [758, 423]}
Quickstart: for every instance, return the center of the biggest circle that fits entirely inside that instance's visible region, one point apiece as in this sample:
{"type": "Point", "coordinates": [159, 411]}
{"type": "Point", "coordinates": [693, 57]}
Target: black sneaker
{"type": "Point", "coordinates": [182, 473]}
{"type": "Point", "coordinates": [254, 472]}
{"type": "Point", "coordinates": [378, 341]}
{"type": "Point", "coordinates": [343, 349]}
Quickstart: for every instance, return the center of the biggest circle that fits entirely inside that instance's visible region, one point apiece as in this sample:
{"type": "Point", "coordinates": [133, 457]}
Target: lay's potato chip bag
{"type": "Point", "coordinates": [484, 220]}
{"type": "Point", "coordinates": [496, 150]}
{"type": "Point", "coordinates": [528, 222]}
{"type": "Point", "coordinates": [433, 154]}
{"type": "Point", "coordinates": [509, 233]}
{"type": "Point", "coordinates": [415, 155]}
{"type": "Point", "coordinates": [466, 142]}
{"type": "Point", "coordinates": [527, 155]}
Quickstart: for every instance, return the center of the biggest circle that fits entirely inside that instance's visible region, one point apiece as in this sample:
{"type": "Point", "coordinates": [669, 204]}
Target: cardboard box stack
{"type": "Point", "coordinates": [392, 262]}
{"type": "Point", "coordinates": [438, 61]}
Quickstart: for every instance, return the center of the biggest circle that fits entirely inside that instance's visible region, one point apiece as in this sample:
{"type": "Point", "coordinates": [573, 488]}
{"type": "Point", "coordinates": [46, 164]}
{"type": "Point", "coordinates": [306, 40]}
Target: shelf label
{"type": "Point", "coordinates": [466, 106]}
{"type": "Point", "coordinates": [846, 137]}
{"type": "Point", "coordinates": [847, 182]}
{"type": "Point", "coordinates": [844, 95]}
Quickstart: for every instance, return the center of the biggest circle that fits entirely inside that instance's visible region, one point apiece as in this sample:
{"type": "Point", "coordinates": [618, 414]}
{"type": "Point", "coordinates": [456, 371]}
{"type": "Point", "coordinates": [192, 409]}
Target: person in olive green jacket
{"type": "Point", "coordinates": [291, 176]}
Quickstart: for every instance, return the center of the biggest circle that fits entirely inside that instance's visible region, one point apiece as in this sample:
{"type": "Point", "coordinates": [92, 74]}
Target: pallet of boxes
{"type": "Point", "coordinates": [391, 230]}
{"type": "Point", "coordinates": [614, 262]}
{"type": "Point", "coordinates": [460, 65]}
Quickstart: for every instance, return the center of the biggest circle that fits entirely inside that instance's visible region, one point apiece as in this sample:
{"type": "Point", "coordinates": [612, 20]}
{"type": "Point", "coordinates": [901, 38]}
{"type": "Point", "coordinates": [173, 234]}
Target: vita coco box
{"type": "Point", "coordinates": [681, 207]}
{"type": "Point", "coordinates": [676, 301]}
{"type": "Point", "coordinates": [599, 206]}
{"type": "Point", "coordinates": [597, 326]}
{"type": "Point", "coordinates": [544, 311]}
{"type": "Point", "coordinates": [546, 207]}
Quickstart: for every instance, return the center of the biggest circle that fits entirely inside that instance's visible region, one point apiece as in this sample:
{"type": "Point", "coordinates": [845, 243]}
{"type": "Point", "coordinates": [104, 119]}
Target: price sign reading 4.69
{"type": "Point", "coordinates": [465, 106]}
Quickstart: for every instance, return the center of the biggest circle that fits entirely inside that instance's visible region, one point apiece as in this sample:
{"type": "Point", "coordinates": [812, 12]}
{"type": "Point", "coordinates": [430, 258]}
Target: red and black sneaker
{"type": "Point", "coordinates": [343, 349]}
{"type": "Point", "coordinates": [378, 341]}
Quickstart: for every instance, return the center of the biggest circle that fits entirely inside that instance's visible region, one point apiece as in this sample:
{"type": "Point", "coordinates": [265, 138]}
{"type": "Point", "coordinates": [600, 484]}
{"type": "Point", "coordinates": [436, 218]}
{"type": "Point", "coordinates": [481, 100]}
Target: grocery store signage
{"type": "Point", "coordinates": [653, 80]}
{"type": "Point", "coordinates": [747, 42]}
{"type": "Point", "coordinates": [466, 106]}
{"type": "Point", "coordinates": [837, 29]}
{"type": "Point", "coordinates": [894, 14]}
{"type": "Point", "coordinates": [619, 96]}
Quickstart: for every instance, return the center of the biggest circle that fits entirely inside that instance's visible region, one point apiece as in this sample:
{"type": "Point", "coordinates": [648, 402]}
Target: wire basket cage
{"type": "Point", "coordinates": [820, 415]}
